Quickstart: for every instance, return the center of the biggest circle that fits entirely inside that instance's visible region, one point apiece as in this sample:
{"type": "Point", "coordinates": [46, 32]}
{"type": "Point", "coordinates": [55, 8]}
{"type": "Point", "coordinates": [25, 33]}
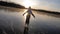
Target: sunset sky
{"type": "Point", "coordinates": [39, 4]}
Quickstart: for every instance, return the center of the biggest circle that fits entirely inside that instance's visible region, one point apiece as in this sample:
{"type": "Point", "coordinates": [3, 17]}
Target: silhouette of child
{"type": "Point", "coordinates": [29, 13]}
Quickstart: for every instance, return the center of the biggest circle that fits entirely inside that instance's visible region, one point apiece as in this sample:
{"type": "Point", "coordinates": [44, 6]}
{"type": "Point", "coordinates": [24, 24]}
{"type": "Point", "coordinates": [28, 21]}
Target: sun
{"type": "Point", "coordinates": [27, 3]}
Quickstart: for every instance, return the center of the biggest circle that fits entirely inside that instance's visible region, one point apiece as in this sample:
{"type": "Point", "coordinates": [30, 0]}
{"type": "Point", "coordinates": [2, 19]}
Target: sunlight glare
{"type": "Point", "coordinates": [27, 3]}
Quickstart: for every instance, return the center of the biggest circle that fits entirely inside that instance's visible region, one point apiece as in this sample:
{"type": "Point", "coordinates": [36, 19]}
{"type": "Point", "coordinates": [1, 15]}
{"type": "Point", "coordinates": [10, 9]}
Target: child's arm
{"type": "Point", "coordinates": [24, 13]}
{"type": "Point", "coordinates": [33, 15]}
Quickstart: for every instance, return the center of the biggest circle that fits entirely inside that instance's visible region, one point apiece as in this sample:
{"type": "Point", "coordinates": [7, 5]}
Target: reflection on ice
{"type": "Point", "coordinates": [13, 23]}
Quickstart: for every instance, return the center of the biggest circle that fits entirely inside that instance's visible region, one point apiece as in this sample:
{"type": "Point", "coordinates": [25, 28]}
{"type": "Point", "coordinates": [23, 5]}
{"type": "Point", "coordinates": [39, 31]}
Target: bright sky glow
{"type": "Point", "coordinates": [53, 5]}
{"type": "Point", "coordinates": [27, 3]}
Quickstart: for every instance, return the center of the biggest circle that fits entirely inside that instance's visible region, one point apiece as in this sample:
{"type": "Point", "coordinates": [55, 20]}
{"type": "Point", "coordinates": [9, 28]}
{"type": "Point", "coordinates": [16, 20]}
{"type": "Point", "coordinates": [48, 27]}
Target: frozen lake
{"type": "Point", "coordinates": [44, 23]}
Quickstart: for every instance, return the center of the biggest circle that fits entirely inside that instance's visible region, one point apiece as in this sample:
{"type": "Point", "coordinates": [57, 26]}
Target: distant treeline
{"type": "Point", "coordinates": [46, 11]}
{"type": "Point", "coordinates": [10, 4]}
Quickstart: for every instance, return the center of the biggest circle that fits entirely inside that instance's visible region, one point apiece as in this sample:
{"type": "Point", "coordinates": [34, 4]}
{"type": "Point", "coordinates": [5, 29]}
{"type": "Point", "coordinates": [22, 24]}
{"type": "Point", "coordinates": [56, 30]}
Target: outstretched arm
{"type": "Point", "coordinates": [33, 15]}
{"type": "Point", "coordinates": [24, 13]}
